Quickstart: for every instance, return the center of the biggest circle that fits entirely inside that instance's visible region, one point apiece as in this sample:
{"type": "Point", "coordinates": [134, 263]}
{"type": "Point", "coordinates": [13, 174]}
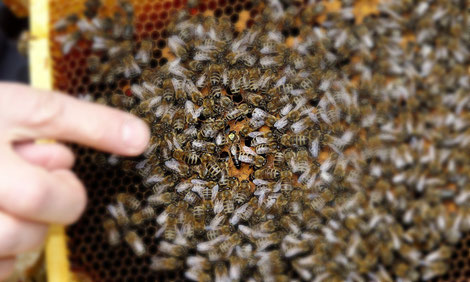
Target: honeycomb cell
{"type": "Point", "coordinates": [234, 18]}
{"type": "Point", "coordinates": [202, 8]}
{"type": "Point", "coordinates": [228, 11]}
{"type": "Point", "coordinates": [248, 5]}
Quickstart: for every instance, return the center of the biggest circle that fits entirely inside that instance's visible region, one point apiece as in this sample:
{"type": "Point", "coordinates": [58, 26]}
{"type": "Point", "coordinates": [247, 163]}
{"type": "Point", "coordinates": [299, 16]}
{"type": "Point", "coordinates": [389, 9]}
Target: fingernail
{"type": "Point", "coordinates": [135, 135]}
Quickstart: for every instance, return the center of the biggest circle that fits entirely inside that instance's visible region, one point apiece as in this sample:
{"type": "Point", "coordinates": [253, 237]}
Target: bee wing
{"type": "Point", "coordinates": [112, 210]}
{"type": "Point", "coordinates": [275, 36]}
{"type": "Point", "coordinates": [281, 123]}
{"type": "Point", "coordinates": [198, 112]}
{"type": "Point", "coordinates": [315, 147]}
{"type": "Point", "coordinates": [259, 114]}
{"type": "Point", "coordinates": [174, 42]}
{"type": "Point", "coordinates": [260, 182]}
{"type": "Point", "coordinates": [201, 81]}
{"type": "Point", "coordinates": [286, 109]}
{"type": "Point", "coordinates": [267, 61]}
{"type": "Point", "coordinates": [189, 107]}
{"type": "Point", "coordinates": [281, 81]}
{"type": "Point", "coordinates": [218, 206]}
{"type": "Point", "coordinates": [200, 31]}
{"type": "Point", "coordinates": [198, 189]}
{"type": "Point", "coordinates": [161, 110]}
{"type": "Point", "coordinates": [208, 245]}
{"type": "Point", "coordinates": [215, 191]}
{"type": "Point", "coordinates": [300, 103]}
{"type": "Point", "coordinates": [255, 134]}
{"type": "Point", "coordinates": [233, 150]}
{"type": "Point", "coordinates": [248, 150]}
{"type": "Point", "coordinates": [327, 177]}
{"type": "Point", "coordinates": [137, 91]}
{"type": "Point", "coordinates": [216, 221]}
{"type": "Point", "coordinates": [225, 77]}
{"type": "Point", "coordinates": [173, 165]}
{"type": "Point", "coordinates": [219, 139]}
{"type": "Point", "coordinates": [299, 126]}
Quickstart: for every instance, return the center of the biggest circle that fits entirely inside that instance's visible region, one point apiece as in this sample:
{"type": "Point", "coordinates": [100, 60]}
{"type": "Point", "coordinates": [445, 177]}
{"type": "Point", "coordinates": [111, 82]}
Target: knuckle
{"type": "Point", "coordinates": [76, 199]}
{"type": "Point", "coordinates": [44, 108]}
{"type": "Point", "coordinates": [34, 199]}
{"type": "Point", "coordinates": [80, 201]}
{"type": "Point", "coordinates": [37, 239]}
{"type": "Point", "coordinates": [9, 231]}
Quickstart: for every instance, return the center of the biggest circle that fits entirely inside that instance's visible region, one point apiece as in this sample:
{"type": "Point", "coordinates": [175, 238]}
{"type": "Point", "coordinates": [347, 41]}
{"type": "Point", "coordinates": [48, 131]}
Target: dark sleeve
{"type": "Point", "coordinates": [13, 66]}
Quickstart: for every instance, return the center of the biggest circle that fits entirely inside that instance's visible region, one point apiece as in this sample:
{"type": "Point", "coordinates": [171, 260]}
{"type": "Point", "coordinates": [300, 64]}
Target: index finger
{"type": "Point", "coordinates": [44, 114]}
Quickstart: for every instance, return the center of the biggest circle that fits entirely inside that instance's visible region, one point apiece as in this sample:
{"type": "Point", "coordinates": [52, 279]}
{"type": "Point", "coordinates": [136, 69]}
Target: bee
{"type": "Point", "coordinates": [128, 201]}
{"type": "Point", "coordinates": [255, 100]}
{"type": "Point", "coordinates": [297, 140]}
{"type": "Point", "coordinates": [165, 264]}
{"type": "Point", "coordinates": [191, 198]}
{"type": "Point", "coordinates": [215, 74]}
{"type": "Point", "coordinates": [161, 199]}
{"type": "Point", "coordinates": [215, 92]}
{"type": "Point", "coordinates": [235, 87]}
{"type": "Point", "coordinates": [135, 242]}
{"type": "Point", "coordinates": [263, 149]}
{"type": "Point", "coordinates": [230, 243]}
{"type": "Point", "coordinates": [228, 202]}
{"type": "Point", "coordinates": [271, 61]}
{"type": "Point", "coordinates": [243, 192]}
{"type": "Point", "coordinates": [169, 233]}
{"type": "Point", "coordinates": [168, 92]}
{"type": "Point", "coordinates": [268, 226]}
{"type": "Point", "coordinates": [69, 41]}
{"type": "Point", "coordinates": [171, 249]}
{"type": "Point", "coordinates": [213, 170]}
{"type": "Point", "coordinates": [114, 238]}
{"type": "Point", "coordinates": [198, 66]}
{"type": "Point", "coordinates": [221, 272]}
{"type": "Point", "coordinates": [144, 54]}
{"type": "Point", "coordinates": [145, 214]}
{"type": "Point", "coordinates": [199, 211]}
{"type": "Point", "coordinates": [177, 46]}
{"type": "Point", "coordinates": [118, 212]}
{"type": "Point", "coordinates": [130, 67]}
{"type": "Point", "coordinates": [248, 60]}
{"type": "Point", "coordinates": [180, 94]}
{"type": "Point", "coordinates": [238, 113]}
{"type": "Point", "coordinates": [93, 63]}
{"type": "Point", "coordinates": [63, 23]}
{"type": "Point", "coordinates": [179, 122]}
{"type": "Point", "coordinates": [247, 155]}
{"type": "Point", "coordinates": [197, 274]}
{"type": "Point", "coordinates": [317, 203]}
{"type": "Point", "coordinates": [279, 161]}
{"type": "Point", "coordinates": [270, 240]}
{"type": "Point", "coordinates": [267, 174]}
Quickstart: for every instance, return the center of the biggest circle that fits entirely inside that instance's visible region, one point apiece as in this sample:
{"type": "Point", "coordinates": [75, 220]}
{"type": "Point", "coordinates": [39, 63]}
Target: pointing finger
{"type": "Point", "coordinates": [47, 114]}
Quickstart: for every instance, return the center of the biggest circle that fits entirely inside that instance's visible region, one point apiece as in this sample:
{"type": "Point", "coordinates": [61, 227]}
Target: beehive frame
{"type": "Point", "coordinates": [41, 77]}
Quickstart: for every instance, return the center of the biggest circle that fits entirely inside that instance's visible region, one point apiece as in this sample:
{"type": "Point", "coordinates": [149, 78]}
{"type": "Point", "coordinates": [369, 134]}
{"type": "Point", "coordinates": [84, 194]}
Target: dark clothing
{"type": "Point", "coordinates": [13, 66]}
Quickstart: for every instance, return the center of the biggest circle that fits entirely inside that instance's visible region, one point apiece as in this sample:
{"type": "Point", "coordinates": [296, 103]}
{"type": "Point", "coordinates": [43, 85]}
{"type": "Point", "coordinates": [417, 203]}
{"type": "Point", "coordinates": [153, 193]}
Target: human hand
{"type": "Point", "coordinates": [37, 186]}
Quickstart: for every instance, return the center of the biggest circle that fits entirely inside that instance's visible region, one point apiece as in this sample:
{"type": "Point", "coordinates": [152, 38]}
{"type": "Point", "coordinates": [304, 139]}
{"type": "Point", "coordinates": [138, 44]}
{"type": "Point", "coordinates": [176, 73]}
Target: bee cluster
{"type": "Point", "coordinates": [339, 153]}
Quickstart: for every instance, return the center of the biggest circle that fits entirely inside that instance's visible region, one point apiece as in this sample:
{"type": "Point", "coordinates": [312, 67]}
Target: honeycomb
{"type": "Point", "coordinates": [89, 252]}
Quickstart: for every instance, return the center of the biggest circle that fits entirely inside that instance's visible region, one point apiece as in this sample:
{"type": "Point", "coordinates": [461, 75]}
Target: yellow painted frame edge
{"type": "Point", "coordinates": [40, 69]}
